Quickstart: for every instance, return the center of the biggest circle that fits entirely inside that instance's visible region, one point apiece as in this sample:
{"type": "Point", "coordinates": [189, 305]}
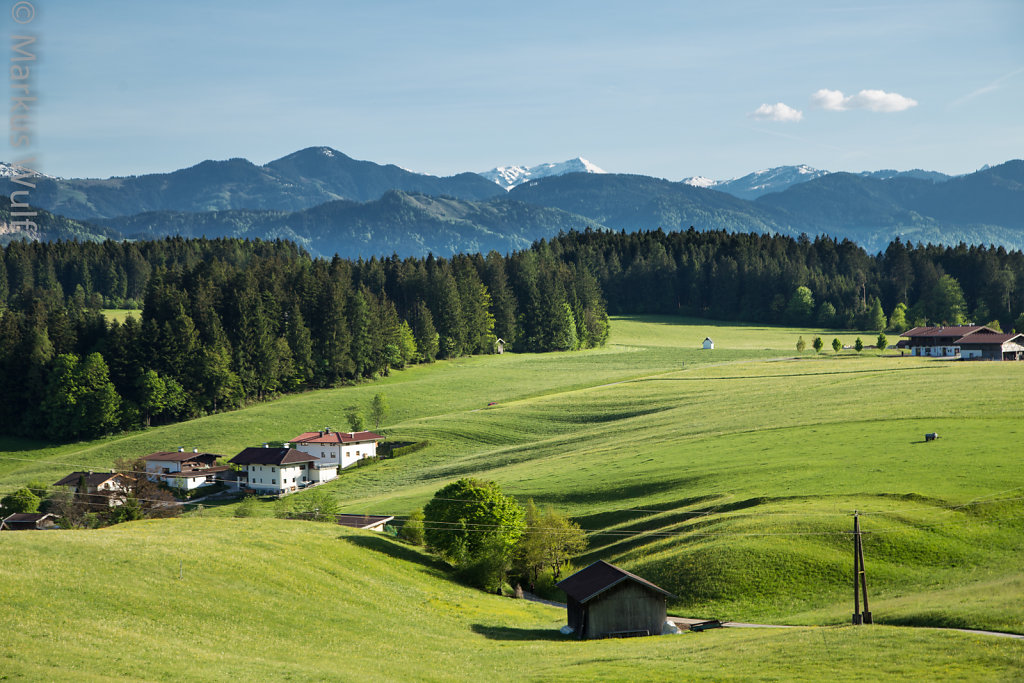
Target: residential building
{"type": "Point", "coordinates": [340, 449]}
{"type": "Point", "coordinates": [98, 485]}
{"type": "Point", "coordinates": [185, 470]}
{"type": "Point", "coordinates": [963, 341]}
{"type": "Point", "coordinates": [278, 471]}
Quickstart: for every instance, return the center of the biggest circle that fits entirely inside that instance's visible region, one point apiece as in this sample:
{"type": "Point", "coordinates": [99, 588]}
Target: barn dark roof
{"type": "Point", "coordinates": [91, 478]}
{"type": "Point", "coordinates": [588, 583]}
{"type": "Point", "coordinates": [26, 520]}
{"type": "Point", "coordinates": [271, 456]}
{"type": "Point", "coordinates": [178, 456]}
{"type": "Point", "coordinates": [363, 521]}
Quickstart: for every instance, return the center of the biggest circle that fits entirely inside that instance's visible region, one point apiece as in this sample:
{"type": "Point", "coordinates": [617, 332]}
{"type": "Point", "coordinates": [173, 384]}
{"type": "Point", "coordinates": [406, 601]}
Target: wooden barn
{"type": "Point", "coordinates": [604, 601]}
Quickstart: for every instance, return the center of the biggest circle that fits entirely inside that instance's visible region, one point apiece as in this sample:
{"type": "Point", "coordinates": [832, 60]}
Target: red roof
{"type": "Point", "coordinates": [948, 331]}
{"type": "Point", "coordinates": [329, 437]}
{"type": "Point", "coordinates": [987, 338]}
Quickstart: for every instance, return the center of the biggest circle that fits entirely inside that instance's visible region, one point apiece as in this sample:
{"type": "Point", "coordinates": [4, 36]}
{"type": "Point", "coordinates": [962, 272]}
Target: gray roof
{"type": "Point", "coordinates": [588, 583]}
{"type": "Point", "coordinates": [271, 456]}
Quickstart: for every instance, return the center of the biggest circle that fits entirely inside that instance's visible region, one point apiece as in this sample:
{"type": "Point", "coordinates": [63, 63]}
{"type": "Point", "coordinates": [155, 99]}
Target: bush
{"type": "Point", "coordinates": [411, 448]}
{"type": "Point", "coordinates": [247, 508]}
{"type": "Point", "coordinates": [22, 500]}
{"type": "Point", "coordinates": [412, 530]}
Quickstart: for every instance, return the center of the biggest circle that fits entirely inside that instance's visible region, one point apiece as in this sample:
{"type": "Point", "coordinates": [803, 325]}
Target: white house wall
{"type": "Point", "coordinates": [343, 455]}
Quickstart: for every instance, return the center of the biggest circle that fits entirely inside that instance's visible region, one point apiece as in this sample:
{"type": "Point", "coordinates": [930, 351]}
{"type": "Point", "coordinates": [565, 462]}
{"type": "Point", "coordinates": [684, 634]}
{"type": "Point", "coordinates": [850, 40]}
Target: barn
{"type": "Point", "coordinates": [604, 601]}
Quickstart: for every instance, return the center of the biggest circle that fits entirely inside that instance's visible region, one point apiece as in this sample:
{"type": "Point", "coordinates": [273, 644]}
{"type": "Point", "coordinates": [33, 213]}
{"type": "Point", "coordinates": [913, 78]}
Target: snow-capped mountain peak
{"type": "Point", "coordinates": [760, 182]}
{"type": "Point", "coordinates": [511, 176]}
{"type": "Point", "coordinates": [8, 170]}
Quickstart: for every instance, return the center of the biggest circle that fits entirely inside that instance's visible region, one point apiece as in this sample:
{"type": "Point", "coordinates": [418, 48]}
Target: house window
{"type": "Point", "coordinates": [272, 469]}
{"type": "Point", "coordinates": [273, 481]}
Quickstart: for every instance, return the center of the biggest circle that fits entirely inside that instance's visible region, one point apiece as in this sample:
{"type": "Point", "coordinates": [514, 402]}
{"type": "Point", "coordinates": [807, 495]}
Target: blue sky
{"type": "Point", "coordinates": [669, 89]}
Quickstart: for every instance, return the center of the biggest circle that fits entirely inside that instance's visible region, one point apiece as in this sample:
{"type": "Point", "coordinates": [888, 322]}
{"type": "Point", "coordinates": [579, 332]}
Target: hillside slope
{"type": "Point", "coordinates": [227, 599]}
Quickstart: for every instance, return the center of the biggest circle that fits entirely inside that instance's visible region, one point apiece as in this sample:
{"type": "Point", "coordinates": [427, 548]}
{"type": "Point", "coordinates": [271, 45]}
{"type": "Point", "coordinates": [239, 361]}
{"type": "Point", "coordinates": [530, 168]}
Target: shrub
{"type": "Point", "coordinates": [412, 530]}
{"type": "Point", "coordinates": [247, 508]}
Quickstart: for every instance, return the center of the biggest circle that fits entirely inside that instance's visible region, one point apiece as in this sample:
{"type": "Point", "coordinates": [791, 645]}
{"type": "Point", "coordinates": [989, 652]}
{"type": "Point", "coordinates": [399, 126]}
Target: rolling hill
{"type": "Point", "coordinates": [727, 476]}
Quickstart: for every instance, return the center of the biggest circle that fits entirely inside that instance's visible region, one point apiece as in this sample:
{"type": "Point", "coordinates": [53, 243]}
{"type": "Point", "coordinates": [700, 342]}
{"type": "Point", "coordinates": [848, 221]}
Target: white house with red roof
{"type": "Point", "coordinates": [963, 341]}
{"type": "Point", "coordinates": [341, 449]}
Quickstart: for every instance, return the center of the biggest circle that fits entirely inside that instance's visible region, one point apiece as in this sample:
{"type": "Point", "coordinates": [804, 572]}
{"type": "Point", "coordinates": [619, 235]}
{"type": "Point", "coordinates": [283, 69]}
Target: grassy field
{"type": "Point", "coordinates": [121, 314]}
{"type": "Point", "coordinates": [263, 599]}
{"type": "Point", "coordinates": [728, 477]}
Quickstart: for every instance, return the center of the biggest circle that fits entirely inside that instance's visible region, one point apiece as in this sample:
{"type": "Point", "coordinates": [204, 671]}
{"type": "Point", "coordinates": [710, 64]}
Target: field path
{"type": "Point", "coordinates": [685, 622]}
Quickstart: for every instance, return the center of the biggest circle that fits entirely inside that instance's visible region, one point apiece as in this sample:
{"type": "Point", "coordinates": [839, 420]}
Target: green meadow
{"type": "Point", "coordinates": [263, 599]}
{"type": "Point", "coordinates": [729, 477]}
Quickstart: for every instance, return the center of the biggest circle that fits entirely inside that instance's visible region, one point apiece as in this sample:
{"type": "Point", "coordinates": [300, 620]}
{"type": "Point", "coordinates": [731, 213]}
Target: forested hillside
{"type": "Point", "coordinates": [225, 322]}
{"type": "Point", "coordinates": [777, 279]}
{"type": "Point", "coordinates": [229, 321]}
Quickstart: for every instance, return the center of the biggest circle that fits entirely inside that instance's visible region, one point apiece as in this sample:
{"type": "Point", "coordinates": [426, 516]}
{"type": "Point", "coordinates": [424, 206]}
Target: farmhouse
{"type": "Point", "coordinates": [184, 470]}
{"type": "Point", "coordinates": [337, 449]}
{"type": "Point", "coordinates": [604, 601]}
{"type": "Point", "coordinates": [21, 521]}
{"type": "Point", "coordinates": [111, 485]}
{"type": "Point", "coordinates": [708, 344]}
{"type": "Point", "coordinates": [280, 470]}
{"type": "Point", "coordinates": [368, 522]}
{"type": "Point", "coordinates": [963, 341]}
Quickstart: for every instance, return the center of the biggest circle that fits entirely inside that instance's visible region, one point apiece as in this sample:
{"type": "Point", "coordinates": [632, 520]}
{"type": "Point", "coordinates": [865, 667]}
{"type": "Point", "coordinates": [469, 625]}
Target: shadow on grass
{"type": "Point", "coordinates": [17, 443]}
{"type": "Point", "coordinates": [509, 633]}
{"type": "Point", "coordinates": [602, 520]}
{"type": "Point", "coordinates": [400, 551]}
{"type": "Point", "coordinates": [619, 492]}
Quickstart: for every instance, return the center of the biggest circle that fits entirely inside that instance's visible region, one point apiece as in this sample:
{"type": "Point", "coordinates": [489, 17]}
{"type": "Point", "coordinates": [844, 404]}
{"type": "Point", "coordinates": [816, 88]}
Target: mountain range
{"type": "Point", "coordinates": [331, 203]}
{"type": "Point", "coordinates": [769, 180]}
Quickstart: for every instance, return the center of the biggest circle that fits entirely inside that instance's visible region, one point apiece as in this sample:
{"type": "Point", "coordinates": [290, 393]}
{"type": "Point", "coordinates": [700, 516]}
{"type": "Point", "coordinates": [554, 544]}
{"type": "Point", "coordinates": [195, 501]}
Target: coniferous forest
{"type": "Point", "coordinates": [226, 322]}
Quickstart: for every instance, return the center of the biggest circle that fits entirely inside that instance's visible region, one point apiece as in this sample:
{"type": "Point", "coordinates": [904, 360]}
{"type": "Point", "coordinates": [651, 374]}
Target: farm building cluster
{"type": "Point", "coordinates": [967, 342]}
{"type": "Point", "coordinates": [309, 459]}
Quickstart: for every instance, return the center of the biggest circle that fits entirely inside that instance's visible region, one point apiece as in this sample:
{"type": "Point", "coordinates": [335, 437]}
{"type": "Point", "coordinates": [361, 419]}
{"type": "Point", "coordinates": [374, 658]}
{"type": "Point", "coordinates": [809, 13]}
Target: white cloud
{"type": "Point", "coordinates": [872, 100]}
{"type": "Point", "coordinates": [777, 112]}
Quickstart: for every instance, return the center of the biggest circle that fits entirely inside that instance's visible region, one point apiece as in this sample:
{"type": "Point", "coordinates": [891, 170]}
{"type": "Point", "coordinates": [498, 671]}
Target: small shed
{"type": "Point", "coordinates": [499, 345]}
{"type": "Point", "coordinates": [708, 344]}
{"type": "Point", "coordinates": [368, 522]}
{"type": "Point", "coordinates": [20, 521]}
{"type": "Point", "coordinates": [603, 601]}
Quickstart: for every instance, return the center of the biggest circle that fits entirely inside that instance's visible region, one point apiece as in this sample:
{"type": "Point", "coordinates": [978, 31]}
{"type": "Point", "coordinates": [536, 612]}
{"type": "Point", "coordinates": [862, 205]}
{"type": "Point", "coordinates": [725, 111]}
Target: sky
{"type": "Point", "coordinates": [669, 89]}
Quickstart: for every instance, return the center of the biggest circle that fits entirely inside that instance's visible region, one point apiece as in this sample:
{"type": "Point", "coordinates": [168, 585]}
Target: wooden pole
{"type": "Point", "coordinates": [863, 576]}
{"type": "Point", "coordinates": [857, 619]}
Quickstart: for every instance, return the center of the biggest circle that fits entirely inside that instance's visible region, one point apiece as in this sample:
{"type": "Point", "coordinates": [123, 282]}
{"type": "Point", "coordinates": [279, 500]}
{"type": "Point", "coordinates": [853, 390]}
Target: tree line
{"type": "Point", "coordinates": [801, 281]}
{"type": "Point", "coordinates": [225, 322]}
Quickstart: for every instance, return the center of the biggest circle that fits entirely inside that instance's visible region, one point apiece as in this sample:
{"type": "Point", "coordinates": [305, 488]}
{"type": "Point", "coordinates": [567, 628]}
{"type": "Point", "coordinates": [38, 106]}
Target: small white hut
{"type": "Point", "coordinates": [708, 344]}
{"type": "Point", "coordinates": [499, 345]}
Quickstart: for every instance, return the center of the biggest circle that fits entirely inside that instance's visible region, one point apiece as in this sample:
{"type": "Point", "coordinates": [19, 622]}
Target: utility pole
{"type": "Point", "coordinates": [860, 583]}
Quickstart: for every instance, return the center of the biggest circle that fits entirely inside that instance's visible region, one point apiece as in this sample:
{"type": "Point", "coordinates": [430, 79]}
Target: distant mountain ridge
{"type": "Point", "coordinates": [331, 203]}
{"type": "Point", "coordinates": [780, 178]}
{"type": "Point", "coordinates": [398, 222]}
{"type": "Point", "coordinates": [513, 176]}
{"type": "Point", "coordinates": [298, 181]}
